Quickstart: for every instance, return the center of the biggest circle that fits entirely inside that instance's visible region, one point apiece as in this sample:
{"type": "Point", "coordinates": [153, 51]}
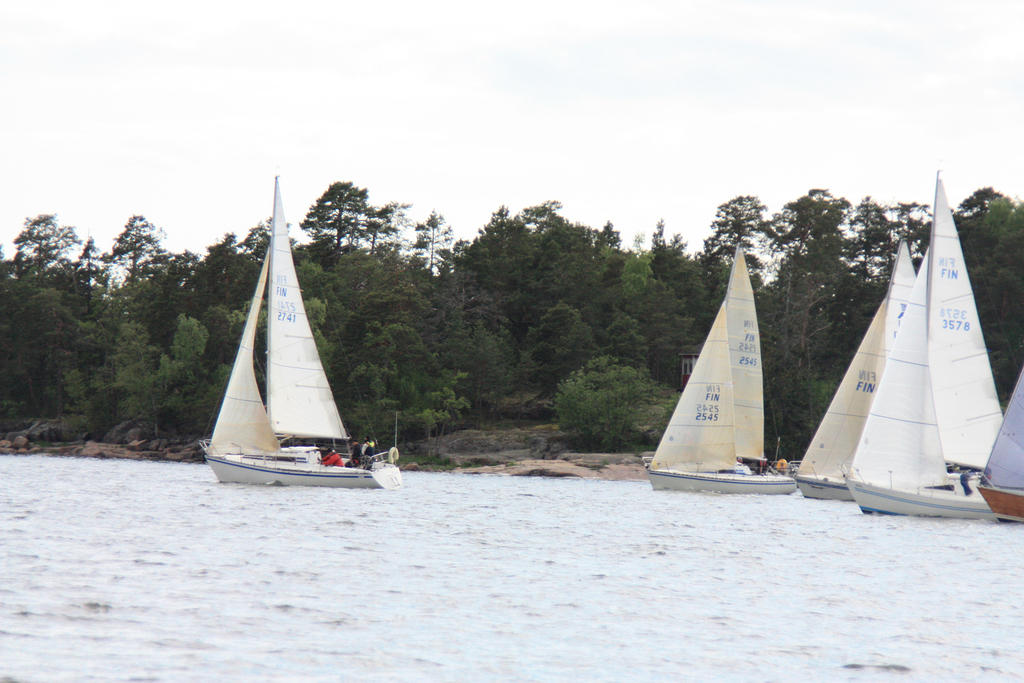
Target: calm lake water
{"type": "Point", "coordinates": [118, 570]}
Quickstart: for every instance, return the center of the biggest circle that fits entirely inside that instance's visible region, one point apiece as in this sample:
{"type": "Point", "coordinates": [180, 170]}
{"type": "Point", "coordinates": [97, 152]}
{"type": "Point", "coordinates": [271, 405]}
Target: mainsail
{"type": "Point", "coordinates": [745, 359]}
{"type": "Point", "coordinates": [299, 399]}
{"type": "Point", "coordinates": [966, 404]}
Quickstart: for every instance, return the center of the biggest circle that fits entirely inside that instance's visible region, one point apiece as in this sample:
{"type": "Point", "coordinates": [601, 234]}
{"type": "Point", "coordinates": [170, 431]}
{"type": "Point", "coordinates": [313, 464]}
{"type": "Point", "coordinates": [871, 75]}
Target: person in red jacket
{"type": "Point", "coordinates": [332, 459]}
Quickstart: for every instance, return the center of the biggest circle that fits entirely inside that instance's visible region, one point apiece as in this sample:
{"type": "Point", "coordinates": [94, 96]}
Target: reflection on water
{"type": "Point", "coordinates": [122, 569]}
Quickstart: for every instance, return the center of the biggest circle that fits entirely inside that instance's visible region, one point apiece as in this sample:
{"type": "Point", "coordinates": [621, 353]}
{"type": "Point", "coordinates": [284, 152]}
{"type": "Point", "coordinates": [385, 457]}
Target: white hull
{"type": "Point", "coordinates": [822, 488]}
{"type": "Point", "coordinates": [721, 482]}
{"type": "Point", "coordinates": [923, 502]}
{"type": "Point", "coordinates": [240, 469]}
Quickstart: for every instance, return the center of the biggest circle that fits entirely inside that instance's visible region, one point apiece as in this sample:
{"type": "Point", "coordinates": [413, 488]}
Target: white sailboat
{"type": "Point", "coordinates": [824, 466]}
{"type": "Point", "coordinates": [719, 419]}
{"type": "Point", "coordinates": [247, 442]}
{"type": "Point", "coordinates": [936, 403]}
{"type": "Point", "coordinates": [1003, 483]}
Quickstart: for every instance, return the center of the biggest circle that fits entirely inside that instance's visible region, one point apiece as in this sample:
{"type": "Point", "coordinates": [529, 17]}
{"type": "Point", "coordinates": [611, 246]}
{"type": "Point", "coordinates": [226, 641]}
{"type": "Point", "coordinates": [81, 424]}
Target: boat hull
{"type": "Point", "coordinates": [822, 488]}
{"type": "Point", "coordinates": [921, 503]}
{"type": "Point", "coordinates": [242, 470]}
{"type": "Point", "coordinates": [721, 482]}
{"type": "Point", "coordinates": [1006, 504]}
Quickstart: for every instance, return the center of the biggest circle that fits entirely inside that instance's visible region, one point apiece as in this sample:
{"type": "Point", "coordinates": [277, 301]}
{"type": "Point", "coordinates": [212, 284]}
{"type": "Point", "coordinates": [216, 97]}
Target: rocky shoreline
{"type": "Point", "coordinates": [524, 452]}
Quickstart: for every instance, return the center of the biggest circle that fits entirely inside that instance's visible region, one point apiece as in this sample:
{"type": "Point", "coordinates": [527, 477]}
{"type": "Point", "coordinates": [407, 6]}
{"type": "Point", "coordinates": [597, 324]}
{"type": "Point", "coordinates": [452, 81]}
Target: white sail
{"type": "Point", "coordinates": [900, 285]}
{"type": "Point", "coordinates": [899, 445]}
{"type": "Point", "coordinates": [299, 399]}
{"type": "Point", "coordinates": [831, 450]}
{"type": "Point", "coordinates": [242, 423]}
{"type": "Point", "coordinates": [720, 414]}
{"type": "Point", "coordinates": [745, 358]}
{"type": "Point", "coordinates": [966, 404]}
{"type": "Point", "coordinates": [1005, 466]}
{"type": "Point", "coordinates": [699, 436]}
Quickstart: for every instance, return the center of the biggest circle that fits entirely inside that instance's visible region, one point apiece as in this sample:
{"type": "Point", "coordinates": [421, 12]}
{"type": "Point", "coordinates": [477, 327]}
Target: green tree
{"type": "Point", "coordinates": [434, 240]}
{"type": "Point", "coordinates": [43, 244]}
{"type": "Point", "coordinates": [803, 346]}
{"type": "Point", "coordinates": [560, 343]}
{"type": "Point", "coordinates": [137, 250]}
{"type": "Point", "coordinates": [338, 220]}
{"type": "Point", "coordinates": [740, 222]}
{"type": "Point", "coordinates": [186, 397]}
{"type": "Point", "coordinates": [600, 404]}
{"type": "Point", "coordinates": [134, 362]}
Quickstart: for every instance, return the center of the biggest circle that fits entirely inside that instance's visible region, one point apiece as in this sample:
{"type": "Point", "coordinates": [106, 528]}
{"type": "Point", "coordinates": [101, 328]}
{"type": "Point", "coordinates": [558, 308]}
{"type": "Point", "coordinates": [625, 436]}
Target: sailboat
{"type": "Point", "coordinates": [935, 414]}
{"type": "Point", "coordinates": [823, 468]}
{"type": "Point", "coordinates": [719, 420]}
{"type": "Point", "coordinates": [1003, 483]}
{"type": "Point", "coordinates": [248, 441]}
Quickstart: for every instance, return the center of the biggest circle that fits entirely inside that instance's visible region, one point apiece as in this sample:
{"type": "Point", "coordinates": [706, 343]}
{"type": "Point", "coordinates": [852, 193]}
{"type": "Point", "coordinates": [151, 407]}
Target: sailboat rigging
{"type": "Point", "coordinates": [248, 437]}
{"type": "Point", "coordinates": [718, 424]}
{"type": "Point", "coordinates": [935, 415]}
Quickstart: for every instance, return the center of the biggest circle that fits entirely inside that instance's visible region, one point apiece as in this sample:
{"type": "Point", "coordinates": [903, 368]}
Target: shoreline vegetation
{"type": "Point", "coordinates": [536, 321]}
{"type": "Point", "coordinates": [525, 452]}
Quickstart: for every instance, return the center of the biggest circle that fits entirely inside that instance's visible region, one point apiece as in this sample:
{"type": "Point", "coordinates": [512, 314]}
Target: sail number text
{"type": "Point", "coordinates": [286, 311]}
{"type": "Point", "coordinates": [708, 411]}
{"type": "Point", "coordinates": [954, 319]}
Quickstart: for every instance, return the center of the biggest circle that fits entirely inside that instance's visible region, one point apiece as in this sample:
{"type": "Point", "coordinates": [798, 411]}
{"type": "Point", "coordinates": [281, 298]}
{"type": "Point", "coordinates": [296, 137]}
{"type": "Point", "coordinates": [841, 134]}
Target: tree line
{"type": "Point", "coordinates": [536, 318]}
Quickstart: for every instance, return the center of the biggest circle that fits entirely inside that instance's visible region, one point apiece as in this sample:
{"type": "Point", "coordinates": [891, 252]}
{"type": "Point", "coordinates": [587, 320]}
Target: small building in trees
{"type": "Point", "coordinates": [688, 361]}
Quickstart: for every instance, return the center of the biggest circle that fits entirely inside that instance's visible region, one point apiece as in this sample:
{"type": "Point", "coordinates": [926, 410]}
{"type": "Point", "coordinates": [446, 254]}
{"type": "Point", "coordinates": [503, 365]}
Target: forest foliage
{"type": "Point", "coordinates": [537, 317]}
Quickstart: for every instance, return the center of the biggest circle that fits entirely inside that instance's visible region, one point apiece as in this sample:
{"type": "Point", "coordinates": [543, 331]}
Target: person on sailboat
{"type": "Point", "coordinates": [354, 457]}
{"type": "Point", "coordinates": [965, 478]}
{"type": "Point", "coordinates": [369, 447]}
{"type": "Point", "coordinates": [332, 459]}
{"type": "Point", "coordinates": [740, 467]}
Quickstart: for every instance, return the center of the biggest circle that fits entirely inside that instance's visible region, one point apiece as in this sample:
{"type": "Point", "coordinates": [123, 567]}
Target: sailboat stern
{"type": "Point", "coordinates": [1006, 504]}
{"type": "Point", "coordinates": [387, 475]}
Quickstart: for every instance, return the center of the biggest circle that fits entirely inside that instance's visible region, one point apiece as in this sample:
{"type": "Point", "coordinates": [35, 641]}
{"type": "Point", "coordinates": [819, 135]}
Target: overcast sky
{"type": "Point", "coordinates": [628, 112]}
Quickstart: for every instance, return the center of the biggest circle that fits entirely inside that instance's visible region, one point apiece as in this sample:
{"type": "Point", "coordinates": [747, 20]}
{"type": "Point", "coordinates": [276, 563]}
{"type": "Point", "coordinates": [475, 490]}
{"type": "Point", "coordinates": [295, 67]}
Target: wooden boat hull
{"type": "Point", "coordinates": [721, 482]}
{"type": "Point", "coordinates": [822, 488]}
{"type": "Point", "coordinates": [1006, 504]}
{"type": "Point", "coordinates": [244, 470]}
{"type": "Point", "coordinates": [921, 503]}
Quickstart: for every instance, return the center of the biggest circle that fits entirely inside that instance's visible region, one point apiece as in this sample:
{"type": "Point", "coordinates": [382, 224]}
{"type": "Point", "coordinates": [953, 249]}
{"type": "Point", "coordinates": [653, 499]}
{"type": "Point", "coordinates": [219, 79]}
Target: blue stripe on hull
{"type": "Point", "coordinates": [873, 511]}
{"type": "Point", "coordinates": [788, 485]}
{"type": "Point", "coordinates": [924, 505]}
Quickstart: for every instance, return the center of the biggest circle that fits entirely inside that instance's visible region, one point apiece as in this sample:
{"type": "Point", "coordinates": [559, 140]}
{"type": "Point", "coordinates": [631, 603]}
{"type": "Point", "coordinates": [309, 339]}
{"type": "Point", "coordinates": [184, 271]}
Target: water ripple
{"type": "Point", "coordinates": [153, 571]}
